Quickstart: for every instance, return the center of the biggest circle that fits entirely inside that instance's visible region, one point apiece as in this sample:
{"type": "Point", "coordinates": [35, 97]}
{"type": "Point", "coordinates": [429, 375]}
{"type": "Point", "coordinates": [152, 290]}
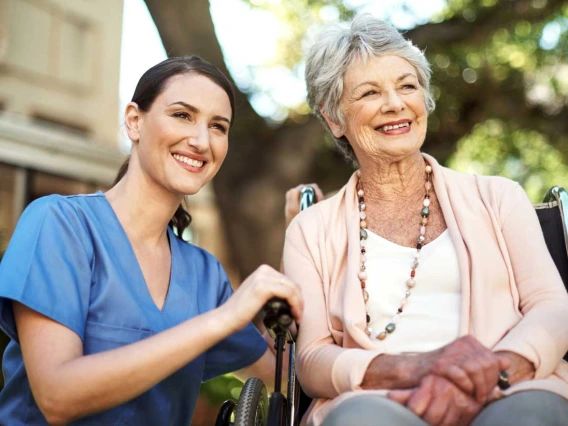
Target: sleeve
{"type": "Point", "coordinates": [47, 266]}
{"type": "Point", "coordinates": [542, 334]}
{"type": "Point", "coordinates": [236, 351]}
{"type": "Point", "coordinates": [324, 368]}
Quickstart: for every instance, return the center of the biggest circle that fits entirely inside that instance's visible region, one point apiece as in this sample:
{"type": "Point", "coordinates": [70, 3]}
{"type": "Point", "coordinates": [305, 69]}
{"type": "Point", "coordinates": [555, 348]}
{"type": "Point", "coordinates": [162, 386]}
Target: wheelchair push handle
{"type": "Point", "coordinates": [307, 197]}
{"type": "Point", "coordinates": [277, 315]}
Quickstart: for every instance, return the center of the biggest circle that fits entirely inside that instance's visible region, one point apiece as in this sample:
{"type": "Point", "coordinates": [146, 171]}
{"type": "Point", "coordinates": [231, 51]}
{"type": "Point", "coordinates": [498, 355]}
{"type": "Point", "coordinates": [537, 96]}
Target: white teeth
{"type": "Point", "coordinates": [396, 126]}
{"type": "Point", "coordinates": [187, 160]}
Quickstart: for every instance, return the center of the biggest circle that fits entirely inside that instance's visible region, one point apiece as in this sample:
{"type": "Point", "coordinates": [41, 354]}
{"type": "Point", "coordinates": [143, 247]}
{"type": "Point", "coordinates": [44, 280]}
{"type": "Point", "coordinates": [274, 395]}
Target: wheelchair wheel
{"type": "Point", "coordinates": [252, 407]}
{"type": "Point", "coordinates": [225, 413]}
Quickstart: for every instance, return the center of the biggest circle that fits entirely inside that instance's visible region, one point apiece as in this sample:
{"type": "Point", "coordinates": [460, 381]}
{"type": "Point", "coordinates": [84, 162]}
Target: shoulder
{"type": "Point", "coordinates": [59, 204]}
{"type": "Point", "coordinates": [473, 182]}
{"type": "Point", "coordinates": [495, 192]}
{"type": "Point", "coordinates": [325, 211]}
{"type": "Point", "coordinates": [53, 210]}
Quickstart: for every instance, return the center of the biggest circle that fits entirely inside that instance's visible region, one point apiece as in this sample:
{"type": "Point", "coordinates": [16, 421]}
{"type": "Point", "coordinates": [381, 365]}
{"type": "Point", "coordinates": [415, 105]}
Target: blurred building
{"type": "Point", "coordinates": [59, 100]}
{"type": "Point", "coordinates": [59, 74]}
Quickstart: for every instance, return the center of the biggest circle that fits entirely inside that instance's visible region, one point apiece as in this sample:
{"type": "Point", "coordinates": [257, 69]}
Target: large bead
{"type": "Point", "coordinates": [362, 206]}
{"type": "Point", "coordinates": [424, 221]}
{"type": "Point", "coordinates": [382, 335]}
{"type": "Point", "coordinates": [363, 215]}
{"type": "Point", "coordinates": [421, 238]}
{"type": "Point", "coordinates": [426, 202]}
{"type": "Point", "coordinates": [360, 193]}
{"type": "Point", "coordinates": [363, 234]}
{"type": "Point", "coordinates": [363, 224]}
{"type": "Point", "coordinates": [369, 330]}
{"type": "Point", "coordinates": [428, 168]}
{"type": "Point", "coordinates": [363, 258]}
{"type": "Point", "coordinates": [428, 186]}
{"type": "Point", "coordinates": [422, 230]}
{"type": "Point", "coordinates": [425, 212]}
{"type": "Point", "coordinates": [365, 296]}
{"type": "Point", "coordinates": [368, 318]}
{"type": "Point", "coordinates": [390, 327]}
{"type": "Point", "coordinates": [362, 275]}
{"type": "Point", "coordinates": [411, 283]}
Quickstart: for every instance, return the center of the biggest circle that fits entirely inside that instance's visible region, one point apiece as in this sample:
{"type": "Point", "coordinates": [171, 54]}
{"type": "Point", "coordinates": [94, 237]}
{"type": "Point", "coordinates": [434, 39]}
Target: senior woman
{"type": "Point", "coordinates": [424, 287]}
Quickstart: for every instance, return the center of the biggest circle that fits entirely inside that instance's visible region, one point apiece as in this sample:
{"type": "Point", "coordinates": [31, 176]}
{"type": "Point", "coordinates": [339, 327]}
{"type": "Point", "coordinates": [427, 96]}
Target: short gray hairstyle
{"type": "Point", "coordinates": [337, 46]}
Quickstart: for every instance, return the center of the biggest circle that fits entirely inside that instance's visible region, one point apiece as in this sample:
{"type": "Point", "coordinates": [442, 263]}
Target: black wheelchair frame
{"type": "Point", "coordinates": [255, 409]}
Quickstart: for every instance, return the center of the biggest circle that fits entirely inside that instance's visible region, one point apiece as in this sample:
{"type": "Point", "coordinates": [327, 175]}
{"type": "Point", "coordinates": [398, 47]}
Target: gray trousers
{"type": "Point", "coordinates": [529, 408]}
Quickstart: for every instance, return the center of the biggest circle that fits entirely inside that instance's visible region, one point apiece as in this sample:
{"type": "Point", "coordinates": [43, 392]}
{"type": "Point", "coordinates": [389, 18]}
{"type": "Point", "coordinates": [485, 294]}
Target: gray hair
{"type": "Point", "coordinates": [333, 51]}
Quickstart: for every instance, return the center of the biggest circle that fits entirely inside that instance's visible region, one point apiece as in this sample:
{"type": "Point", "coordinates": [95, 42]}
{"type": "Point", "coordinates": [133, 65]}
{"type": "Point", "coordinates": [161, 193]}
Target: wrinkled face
{"type": "Point", "coordinates": [183, 139]}
{"type": "Point", "coordinates": [384, 109]}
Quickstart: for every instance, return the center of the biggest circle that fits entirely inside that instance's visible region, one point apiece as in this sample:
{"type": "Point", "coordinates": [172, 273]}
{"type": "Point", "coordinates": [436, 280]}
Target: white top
{"type": "Point", "coordinates": [430, 319]}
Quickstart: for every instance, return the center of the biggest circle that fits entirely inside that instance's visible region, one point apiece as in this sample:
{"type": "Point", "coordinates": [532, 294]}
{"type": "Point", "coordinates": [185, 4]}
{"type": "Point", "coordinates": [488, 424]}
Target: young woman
{"type": "Point", "coordinates": [113, 318]}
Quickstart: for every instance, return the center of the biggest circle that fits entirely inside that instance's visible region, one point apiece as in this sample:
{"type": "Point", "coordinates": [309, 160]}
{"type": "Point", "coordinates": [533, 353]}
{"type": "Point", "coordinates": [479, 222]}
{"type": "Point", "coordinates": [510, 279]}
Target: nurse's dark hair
{"type": "Point", "coordinates": [149, 87]}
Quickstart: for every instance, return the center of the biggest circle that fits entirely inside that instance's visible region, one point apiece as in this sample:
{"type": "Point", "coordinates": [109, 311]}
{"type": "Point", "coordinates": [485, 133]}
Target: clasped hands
{"type": "Point", "coordinates": [453, 383]}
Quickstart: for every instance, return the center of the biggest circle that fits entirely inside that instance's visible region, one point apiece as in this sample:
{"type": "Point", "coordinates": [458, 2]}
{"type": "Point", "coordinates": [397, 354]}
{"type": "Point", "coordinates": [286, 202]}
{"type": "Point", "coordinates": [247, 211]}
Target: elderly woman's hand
{"type": "Point", "coordinates": [439, 402]}
{"type": "Point", "coordinates": [470, 366]}
{"type": "Point", "coordinates": [292, 207]}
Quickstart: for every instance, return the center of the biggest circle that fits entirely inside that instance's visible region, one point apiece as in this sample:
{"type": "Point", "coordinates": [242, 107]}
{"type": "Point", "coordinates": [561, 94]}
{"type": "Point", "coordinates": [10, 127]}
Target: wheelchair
{"type": "Point", "coordinates": [255, 409]}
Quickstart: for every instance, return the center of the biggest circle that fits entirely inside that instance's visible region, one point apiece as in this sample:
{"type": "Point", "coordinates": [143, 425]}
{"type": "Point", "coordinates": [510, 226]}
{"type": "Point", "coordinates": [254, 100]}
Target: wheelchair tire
{"type": "Point", "coordinates": [252, 407]}
{"type": "Point", "coordinates": [225, 413]}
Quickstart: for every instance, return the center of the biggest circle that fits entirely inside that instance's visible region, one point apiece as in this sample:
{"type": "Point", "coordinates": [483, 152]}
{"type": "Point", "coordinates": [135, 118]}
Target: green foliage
{"type": "Point", "coordinates": [496, 148]}
{"type": "Point", "coordinates": [221, 388]}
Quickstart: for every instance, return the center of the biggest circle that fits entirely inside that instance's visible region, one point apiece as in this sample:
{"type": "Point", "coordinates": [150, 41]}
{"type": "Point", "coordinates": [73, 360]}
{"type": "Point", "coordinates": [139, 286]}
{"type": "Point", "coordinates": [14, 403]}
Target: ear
{"type": "Point", "coordinates": [336, 128]}
{"type": "Point", "coordinates": [132, 119]}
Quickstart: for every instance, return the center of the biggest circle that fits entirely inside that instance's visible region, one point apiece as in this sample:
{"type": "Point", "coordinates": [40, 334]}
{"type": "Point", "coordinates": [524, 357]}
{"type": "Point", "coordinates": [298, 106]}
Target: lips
{"type": "Point", "coordinates": [393, 126]}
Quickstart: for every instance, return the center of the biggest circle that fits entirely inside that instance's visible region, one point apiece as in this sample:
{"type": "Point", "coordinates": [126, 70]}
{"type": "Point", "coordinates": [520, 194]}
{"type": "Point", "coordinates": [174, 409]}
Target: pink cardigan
{"type": "Point", "coordinates": [512, 295]}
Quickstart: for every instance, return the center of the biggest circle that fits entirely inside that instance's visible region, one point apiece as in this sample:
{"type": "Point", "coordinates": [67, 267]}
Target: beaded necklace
{"type": "Point", "coordinates": [411, 282]}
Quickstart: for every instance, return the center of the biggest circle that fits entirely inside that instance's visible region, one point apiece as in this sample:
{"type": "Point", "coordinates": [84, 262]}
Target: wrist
{"type": "Point", "coordinates": [520, 368]}
{"type": "Point", "coordinates": [398, 371]}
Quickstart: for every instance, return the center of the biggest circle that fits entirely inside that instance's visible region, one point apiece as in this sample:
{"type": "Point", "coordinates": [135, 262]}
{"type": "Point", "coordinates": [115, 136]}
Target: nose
{"type": "Point", "coordinates": [198, 138]}
{"type": "Point", "coordinates": [392, 102]}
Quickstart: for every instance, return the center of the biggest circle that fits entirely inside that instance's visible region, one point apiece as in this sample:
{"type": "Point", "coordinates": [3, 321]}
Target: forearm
{"type": "Point", "coordinates": [398, 371]}
{"type": "Point", "coordinates": [94, 383]}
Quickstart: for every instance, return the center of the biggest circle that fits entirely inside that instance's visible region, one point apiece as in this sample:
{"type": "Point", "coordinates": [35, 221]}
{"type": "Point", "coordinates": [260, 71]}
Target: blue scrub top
{"type": "Point", "coordinates": [70, 260]}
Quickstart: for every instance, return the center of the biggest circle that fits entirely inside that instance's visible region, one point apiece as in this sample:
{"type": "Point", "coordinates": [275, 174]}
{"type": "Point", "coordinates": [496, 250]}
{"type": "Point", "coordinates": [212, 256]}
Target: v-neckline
{"type": "Point", "coordinates": [130, 247]}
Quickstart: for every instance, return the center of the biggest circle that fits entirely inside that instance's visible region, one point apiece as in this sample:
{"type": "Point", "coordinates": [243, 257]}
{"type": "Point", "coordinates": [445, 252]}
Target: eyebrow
{"type": "Point", "coordinates": [196, 111]}
{"type": "Point", "coordinates": [398, 80]}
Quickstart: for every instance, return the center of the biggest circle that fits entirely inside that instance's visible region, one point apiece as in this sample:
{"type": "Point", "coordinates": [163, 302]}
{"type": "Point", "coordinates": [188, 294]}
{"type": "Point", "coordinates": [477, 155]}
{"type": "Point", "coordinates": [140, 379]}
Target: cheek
{"type": "Point", "coordinates": [220, 149]}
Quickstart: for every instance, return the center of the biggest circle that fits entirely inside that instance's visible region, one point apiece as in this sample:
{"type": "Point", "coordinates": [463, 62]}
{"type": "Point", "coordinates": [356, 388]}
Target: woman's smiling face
{"type": "Point", "coordinates": [384, 109]}
{"type": "Point", "coordinates": [182, 140]}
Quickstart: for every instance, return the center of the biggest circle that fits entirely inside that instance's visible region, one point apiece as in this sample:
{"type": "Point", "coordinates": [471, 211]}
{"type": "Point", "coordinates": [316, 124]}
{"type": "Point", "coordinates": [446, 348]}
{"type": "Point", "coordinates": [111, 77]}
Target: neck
{"type": "Point", "coordinates": [143, 207]}
{"type": "Point", "coordinates": [393, 180]}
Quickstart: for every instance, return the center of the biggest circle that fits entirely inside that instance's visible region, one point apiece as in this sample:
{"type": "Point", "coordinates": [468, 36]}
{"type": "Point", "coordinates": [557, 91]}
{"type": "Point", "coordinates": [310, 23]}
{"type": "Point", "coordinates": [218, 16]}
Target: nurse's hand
{"type": "Point", "coordinates": [261, 286]}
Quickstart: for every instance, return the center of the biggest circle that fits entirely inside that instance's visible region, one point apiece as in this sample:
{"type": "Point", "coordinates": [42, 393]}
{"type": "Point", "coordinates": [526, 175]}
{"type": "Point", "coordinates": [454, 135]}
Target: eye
{"type": "Point", "coordinates": [369, 93]}
{"type": "Point", "coordinates": [409, 87]}
{"type": "Point", "coordinates": [219, 127]}
{"type": "Point", "coordinates": [182, 115]}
